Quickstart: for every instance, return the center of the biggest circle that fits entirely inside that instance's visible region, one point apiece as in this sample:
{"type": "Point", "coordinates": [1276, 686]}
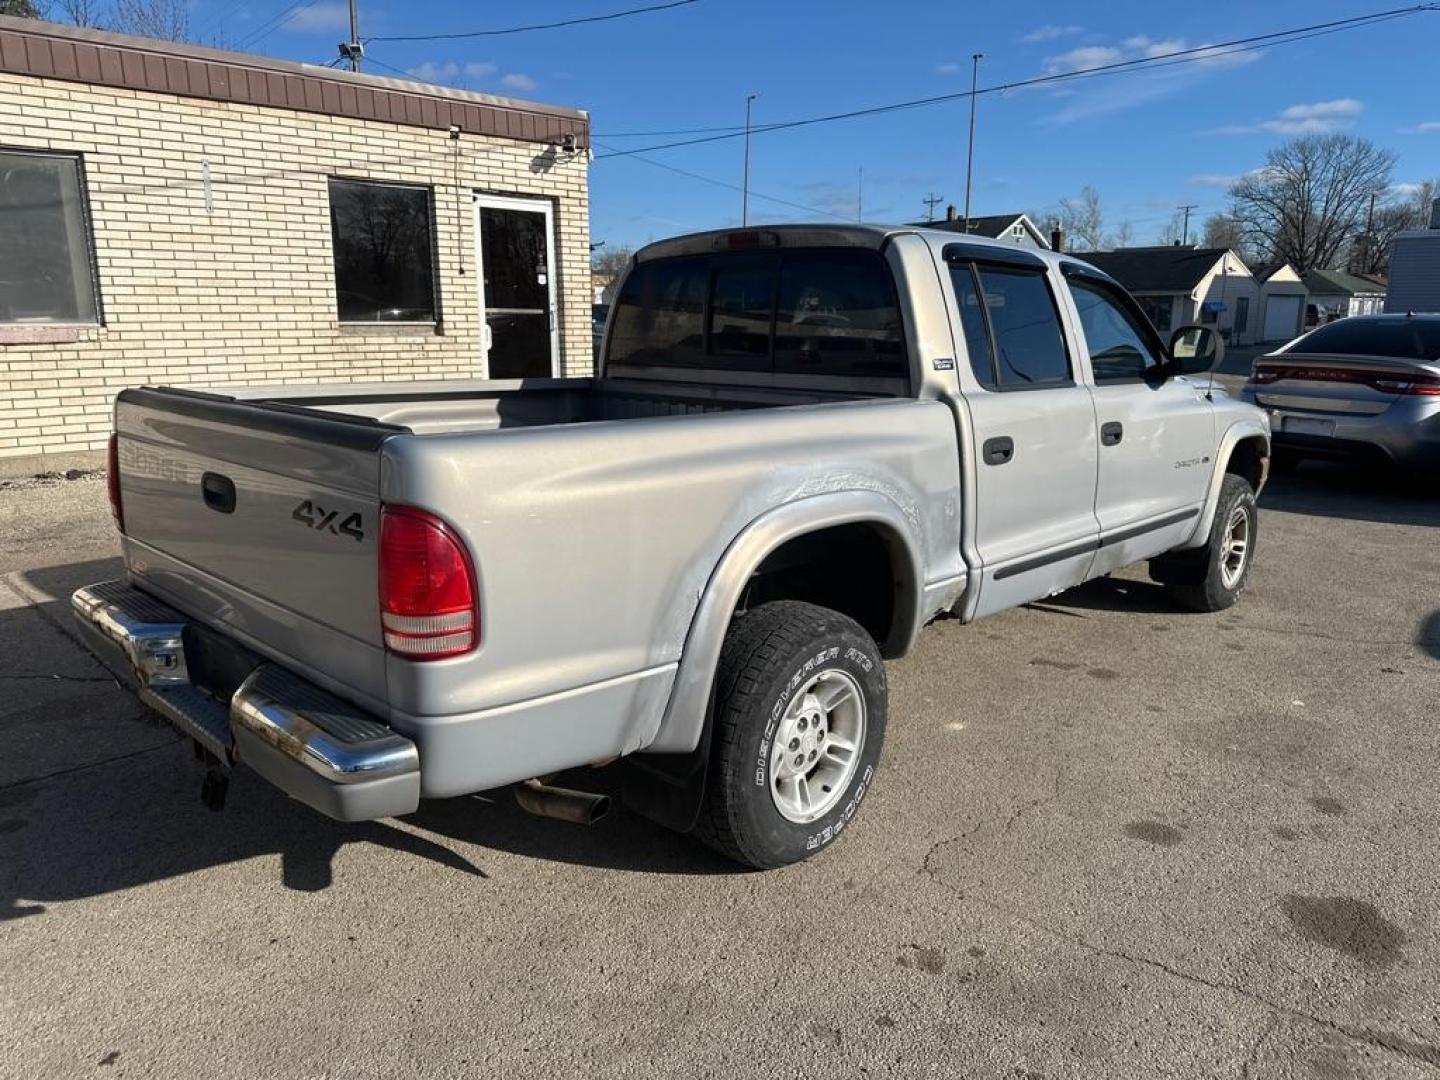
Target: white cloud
{"type": "Point", "coordinates": [517, 81]}
{"type": "Point", "coordinates": [1142, 47]}
{"type": "Point", "coordinates": [1050, 32]}
{"type": "Point", "coordinates": [1218, 180]}
{"type": "Point", "coordinates": [1087, 56]}
{"type": "Point", "coordinates": [1405, 191]}
{"type": "Point", "coordinates": [1313, 118]}
{"type": "Point", "coordinates": [449, 71]}
{"type": "Point", "coordinates": [1429, 127]}
{"type": "Point", "coordinates": [430, 71]}
{"type": "Point", "coordinates": [328, 16]}
{"type": "Point", "coordinates": [947, 69]}
{"type": "Point", "coordinates": [1226, 180]}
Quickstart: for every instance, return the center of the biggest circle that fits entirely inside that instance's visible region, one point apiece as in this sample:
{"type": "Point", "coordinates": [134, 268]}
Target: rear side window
{"type": "Point", "coordinates": [812, 312]}
{"type": "Point", "coordinates": [1029, 345]}
{"type": "Point", "coordinates": [1405, 339]}
{"type": "Point", "coordinates": [972, 319]}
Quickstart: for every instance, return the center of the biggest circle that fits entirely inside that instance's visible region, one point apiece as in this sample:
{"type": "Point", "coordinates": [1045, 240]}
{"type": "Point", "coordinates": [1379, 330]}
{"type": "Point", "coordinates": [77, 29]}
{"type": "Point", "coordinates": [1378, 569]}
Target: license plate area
{"type": "Point", "coordinates": [1303, 425]}
{"type": "Point", "coordinates": [217, 664]}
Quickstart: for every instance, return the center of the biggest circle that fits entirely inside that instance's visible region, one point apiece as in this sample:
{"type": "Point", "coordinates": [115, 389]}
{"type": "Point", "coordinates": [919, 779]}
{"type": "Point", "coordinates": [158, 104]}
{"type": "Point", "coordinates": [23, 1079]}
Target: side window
{"type": "Point", "coordinates": [1157, 309]}
{"type": "Point", "coordinates": [838, 315]}
{"type": "Point", "coordinates": [1118, 344]}
{"type": "Point", "coordinates": [660, 314]}
{"type": "Point", "coordinates": [1030, 345]}
{"type": "Point", "coordinates": [742, 299]}
{"type": "Point", "coordinates": [384, 254]}
{"type": "Point", "coordinates": [46, 264]}
{"type": "Point", "coordinates": [972, 319]}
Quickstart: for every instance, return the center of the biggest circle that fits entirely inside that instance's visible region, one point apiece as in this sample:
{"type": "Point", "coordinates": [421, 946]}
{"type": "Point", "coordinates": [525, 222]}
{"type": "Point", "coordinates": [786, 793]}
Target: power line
{"type": "Point", "coordinates": [733, 187]}
{"type": "Point", "coordinates": [1196, 54]}
{"type": "Point", "coordinates": [539, 26]}
{"type": "Point", "coordinates": [270, 25]}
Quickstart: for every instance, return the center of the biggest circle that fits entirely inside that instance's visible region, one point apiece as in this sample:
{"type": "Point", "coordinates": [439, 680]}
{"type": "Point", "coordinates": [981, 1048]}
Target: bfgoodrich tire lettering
{"type": "Point", "coordinates": [780, 665]}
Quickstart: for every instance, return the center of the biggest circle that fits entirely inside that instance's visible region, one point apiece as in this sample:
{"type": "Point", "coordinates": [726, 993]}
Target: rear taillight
{"type": "Point", "coordinates": [112, 482]}
{"type": "Point", "coordinates": [427, 587]}
{"type": "Point", "coordinates": [1421, 384]}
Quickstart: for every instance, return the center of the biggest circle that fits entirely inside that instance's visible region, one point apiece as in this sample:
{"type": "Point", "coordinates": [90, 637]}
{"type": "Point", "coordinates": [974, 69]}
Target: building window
{"type": "Point", "coordinates": [47, 273]}
{"type": "Point", "coordinates": [384, 251]}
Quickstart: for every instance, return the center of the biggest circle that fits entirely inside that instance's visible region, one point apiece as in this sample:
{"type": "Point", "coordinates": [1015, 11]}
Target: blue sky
{"type": "Point", "coordinates": [1147, 142]}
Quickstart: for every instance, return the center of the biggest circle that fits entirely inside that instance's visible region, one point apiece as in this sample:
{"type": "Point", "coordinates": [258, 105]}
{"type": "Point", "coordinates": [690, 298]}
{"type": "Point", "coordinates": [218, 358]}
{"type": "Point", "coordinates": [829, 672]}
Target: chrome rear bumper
{"type": "Point", "coordinates": [313, 746]}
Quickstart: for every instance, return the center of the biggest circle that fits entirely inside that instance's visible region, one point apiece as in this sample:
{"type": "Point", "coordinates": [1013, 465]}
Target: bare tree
{"type": "Point", "coordinates": [166, 19]}
{"type": "Point", "coordinates": [1123, 236]}
{"type": "Point", "coordinates": [1371, 255]}
{"type": "Point", "coordinates": [1173, 231]}
{"type": "Point", "coordinates": [82, 12]}
{"type": "Point", "coordinates": [610, 261]}
{"type": "Point", "coordinates": [1083, 220]}
{"type": "Point", "coordinates": [1224, 231]}
{"type": "Point", "coordinates": [22, 9]}
{"type": "Point", "coordinates": [1308, 204]}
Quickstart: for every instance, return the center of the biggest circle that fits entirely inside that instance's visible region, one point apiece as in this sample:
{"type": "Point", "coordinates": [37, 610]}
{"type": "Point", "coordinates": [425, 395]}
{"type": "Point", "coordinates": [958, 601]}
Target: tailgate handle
{"type": "Point", "coordinates": [219, 492]}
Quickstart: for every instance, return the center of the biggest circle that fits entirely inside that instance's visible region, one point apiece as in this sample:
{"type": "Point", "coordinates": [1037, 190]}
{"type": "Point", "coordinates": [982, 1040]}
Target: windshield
{"type": "Point", "coordinates": [1405, 339]}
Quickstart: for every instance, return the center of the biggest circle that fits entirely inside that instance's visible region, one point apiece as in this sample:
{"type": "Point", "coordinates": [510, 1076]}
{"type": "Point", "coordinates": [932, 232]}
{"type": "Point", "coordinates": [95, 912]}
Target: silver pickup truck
{"type": "Point", "coordinates": [804, 443]}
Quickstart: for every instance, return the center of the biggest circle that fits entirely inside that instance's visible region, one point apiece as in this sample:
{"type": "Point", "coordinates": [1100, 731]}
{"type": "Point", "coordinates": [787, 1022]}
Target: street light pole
{"type": "Point", "coordinates": [970, 154]}
{"type": "Point", "coordinates": [745, 189]}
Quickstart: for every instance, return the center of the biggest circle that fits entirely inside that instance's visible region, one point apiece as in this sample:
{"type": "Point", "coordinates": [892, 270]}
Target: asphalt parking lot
{"type": "Point", "coordinates": [1108, 839]}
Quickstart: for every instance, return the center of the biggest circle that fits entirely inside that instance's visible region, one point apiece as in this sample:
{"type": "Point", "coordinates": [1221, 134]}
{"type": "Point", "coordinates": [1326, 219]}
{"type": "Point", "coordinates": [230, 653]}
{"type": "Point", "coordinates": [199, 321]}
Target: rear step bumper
{"type": "Point", "coordinates": [310, 744]}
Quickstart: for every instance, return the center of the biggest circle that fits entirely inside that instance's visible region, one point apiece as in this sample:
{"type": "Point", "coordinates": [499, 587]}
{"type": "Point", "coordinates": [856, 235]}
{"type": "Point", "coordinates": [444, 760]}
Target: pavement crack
{"type": "Point", "coordinates": [91, 765]}
{"type": "Point", "coordinates": [1412, 1051]}
{"type": "Point", "coordinates": [53, 677]}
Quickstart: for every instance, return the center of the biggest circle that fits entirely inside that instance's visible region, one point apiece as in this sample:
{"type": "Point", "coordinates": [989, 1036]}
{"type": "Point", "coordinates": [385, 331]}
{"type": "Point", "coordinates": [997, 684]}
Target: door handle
{"type": "Point", "coordinates": [1111, 433]}
{"type": "Point", "coordinates": [999, 450]}
{"type": "Point", "coordinates": [219, 492]}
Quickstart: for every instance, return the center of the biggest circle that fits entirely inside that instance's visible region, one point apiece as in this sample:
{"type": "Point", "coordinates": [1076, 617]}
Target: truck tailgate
{"type": "Point", "coordinates": [260, 520]}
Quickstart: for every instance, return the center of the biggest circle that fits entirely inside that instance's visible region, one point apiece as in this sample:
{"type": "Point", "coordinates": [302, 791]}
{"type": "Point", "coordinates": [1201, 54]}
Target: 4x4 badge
{"type": "Point", "coordinates": [317, 517]}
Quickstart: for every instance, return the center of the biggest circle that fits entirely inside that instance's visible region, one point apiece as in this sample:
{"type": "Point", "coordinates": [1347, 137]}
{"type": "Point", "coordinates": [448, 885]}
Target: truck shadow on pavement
{"type": "Point", "coordinates": [96, 797]}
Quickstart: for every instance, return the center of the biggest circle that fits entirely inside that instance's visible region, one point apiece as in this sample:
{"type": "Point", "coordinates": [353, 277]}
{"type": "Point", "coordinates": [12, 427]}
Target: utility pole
{"type": "Point", "coordinates": [970, 155]}
{"type": "Point", "coordinates": [860, 196]}
{"type": "Point", "coordinates": [1368, 241]}
{"type": "Point", "coordinates": [1185, 229]}
{"type": "Point", "coordinates": [745, 189]}
{"type": "Point", "coordinates": [353, 50]}
{"type": "Point", "coordinates": [931, 201]}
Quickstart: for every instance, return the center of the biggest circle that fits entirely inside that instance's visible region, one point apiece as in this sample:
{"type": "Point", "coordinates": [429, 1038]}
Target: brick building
{"type": "Point", "coordinates": [187, 216]}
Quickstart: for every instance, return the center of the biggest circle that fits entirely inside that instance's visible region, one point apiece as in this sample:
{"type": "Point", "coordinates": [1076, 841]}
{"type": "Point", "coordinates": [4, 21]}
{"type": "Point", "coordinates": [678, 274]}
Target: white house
{"type": "Point", "coordinates": [1282, 302]}
{"type": "Point", "coordinates": [1181, 285]}
{"type": "Point", "coordinates": [1017, 228]}
{"type": "Point", "coordinates": [1335, 294]}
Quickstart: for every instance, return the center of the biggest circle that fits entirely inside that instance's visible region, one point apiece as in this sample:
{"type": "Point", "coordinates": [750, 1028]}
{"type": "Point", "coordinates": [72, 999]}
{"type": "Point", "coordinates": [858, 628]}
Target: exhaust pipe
{"type": "Point", "coordinates": [577, 807]}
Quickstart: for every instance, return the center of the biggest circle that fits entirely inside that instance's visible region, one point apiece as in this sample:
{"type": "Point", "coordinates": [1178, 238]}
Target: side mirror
{"type": "Point", "coordinates": [1194, 350]}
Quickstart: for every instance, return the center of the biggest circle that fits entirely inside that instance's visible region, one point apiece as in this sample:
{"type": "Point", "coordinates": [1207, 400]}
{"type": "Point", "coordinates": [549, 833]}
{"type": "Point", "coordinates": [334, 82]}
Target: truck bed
{"type": "Point", "coordinates": [435, 407]}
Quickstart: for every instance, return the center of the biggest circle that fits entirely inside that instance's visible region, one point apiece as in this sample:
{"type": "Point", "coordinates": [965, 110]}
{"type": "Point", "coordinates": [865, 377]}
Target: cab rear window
{"type": "Point", "coordinates": [811, 311]}
{"type": "Point", "coordinates": [1405, 339]}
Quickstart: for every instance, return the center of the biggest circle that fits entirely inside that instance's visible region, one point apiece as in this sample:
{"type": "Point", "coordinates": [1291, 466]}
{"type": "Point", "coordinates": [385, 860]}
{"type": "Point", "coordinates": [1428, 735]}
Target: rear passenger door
{"type": "Point", "coordinates": [1157, 438]}
{"type": "Point", "coordinates": [1033, 429]}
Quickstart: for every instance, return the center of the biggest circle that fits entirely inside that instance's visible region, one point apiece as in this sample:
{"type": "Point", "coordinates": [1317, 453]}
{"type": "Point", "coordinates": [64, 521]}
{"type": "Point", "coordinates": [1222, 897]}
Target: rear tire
{"type": "Point", "coordinates": [1211, 578]}
{"type": "Point", "coordinates": [799, 717]}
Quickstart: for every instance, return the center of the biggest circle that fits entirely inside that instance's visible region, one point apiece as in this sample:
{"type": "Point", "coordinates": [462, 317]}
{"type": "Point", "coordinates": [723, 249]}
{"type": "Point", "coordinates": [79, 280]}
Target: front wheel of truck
{"type": "Point", "coordinates": [799, 717]}
{"type": "Point", "coordinates": [1211, 578]}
